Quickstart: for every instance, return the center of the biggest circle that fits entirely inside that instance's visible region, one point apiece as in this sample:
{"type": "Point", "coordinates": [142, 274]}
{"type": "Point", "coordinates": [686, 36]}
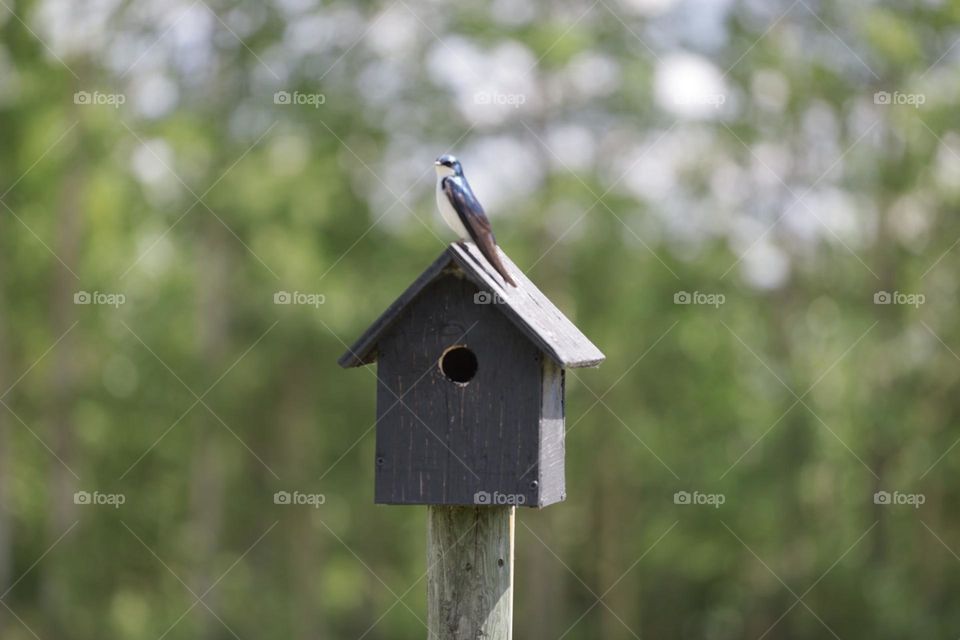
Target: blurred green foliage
{"type": "Point", "coordinates": [798, 198]}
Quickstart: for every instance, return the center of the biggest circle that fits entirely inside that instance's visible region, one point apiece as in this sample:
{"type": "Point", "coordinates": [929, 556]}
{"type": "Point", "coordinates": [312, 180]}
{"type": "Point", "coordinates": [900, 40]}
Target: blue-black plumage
{"type": "Point", "coordinates": [463, 213]}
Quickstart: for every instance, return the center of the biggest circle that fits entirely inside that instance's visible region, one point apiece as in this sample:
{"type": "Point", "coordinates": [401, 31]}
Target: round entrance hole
{"type": "Point", "coordinates": [458, 364]}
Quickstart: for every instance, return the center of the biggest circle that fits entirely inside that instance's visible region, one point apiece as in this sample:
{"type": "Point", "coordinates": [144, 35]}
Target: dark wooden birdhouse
{"type": "Point", "coordinates": [470, 392]}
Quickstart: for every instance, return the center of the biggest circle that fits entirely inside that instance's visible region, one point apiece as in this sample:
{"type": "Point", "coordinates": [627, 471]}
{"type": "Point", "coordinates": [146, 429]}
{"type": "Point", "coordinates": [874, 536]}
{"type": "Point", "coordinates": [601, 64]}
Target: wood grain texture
{"type": "Point", "coordinates": [363, 351]}
{"type": "Point", "coordinates": [525, 305]}
{"type": "Point", "coordinates": [446, 443]}
{"type": "Point", "coordinates": [498, 439]}
{"type": "Point", "coordinates": [470, 573]}
{"type": "Point", "coordinates": [530, 309]}
{"type": "Point", "coordinates": [552, 448]}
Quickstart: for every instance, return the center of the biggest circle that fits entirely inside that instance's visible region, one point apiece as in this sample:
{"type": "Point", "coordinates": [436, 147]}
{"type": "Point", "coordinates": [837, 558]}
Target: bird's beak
{"type": "Point", "coordinates": [436, 163]}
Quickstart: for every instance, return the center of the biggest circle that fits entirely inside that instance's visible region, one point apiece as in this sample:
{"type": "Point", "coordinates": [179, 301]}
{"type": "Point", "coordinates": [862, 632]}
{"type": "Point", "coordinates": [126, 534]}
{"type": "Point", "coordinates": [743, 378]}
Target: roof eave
{"type": "Point", "coordinates": [539, 310]}
{"type": "Point", "coordinates": [363, 351]}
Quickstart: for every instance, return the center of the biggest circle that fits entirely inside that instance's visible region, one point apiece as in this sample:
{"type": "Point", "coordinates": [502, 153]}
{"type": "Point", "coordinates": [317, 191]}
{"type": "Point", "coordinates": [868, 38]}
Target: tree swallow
{"type": "Point", "coordinates": [462, 212]}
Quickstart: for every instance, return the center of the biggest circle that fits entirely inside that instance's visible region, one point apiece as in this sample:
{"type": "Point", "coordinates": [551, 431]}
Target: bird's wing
{"type": "Point", "coordinates": [468, 208]}
{"type": "Point", "coordinates": [471, 214]}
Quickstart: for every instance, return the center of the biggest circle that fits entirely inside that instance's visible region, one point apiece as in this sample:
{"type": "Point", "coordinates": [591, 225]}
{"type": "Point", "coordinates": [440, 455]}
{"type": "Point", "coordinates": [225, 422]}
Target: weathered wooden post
{"type": "Point", "coordinates": [470, 422]}
{"type": "Point", "coordinates": [469, 572]}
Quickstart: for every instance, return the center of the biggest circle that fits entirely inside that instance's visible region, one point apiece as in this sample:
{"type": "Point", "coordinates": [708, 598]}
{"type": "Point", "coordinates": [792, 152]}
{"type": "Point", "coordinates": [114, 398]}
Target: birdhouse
{"type": "Point", "coordinates": [470, 387]}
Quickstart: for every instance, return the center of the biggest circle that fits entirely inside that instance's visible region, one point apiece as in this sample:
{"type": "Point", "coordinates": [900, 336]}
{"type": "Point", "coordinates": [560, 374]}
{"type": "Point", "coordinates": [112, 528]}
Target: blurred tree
{"type": "Point", "coordinates": [796, 158]}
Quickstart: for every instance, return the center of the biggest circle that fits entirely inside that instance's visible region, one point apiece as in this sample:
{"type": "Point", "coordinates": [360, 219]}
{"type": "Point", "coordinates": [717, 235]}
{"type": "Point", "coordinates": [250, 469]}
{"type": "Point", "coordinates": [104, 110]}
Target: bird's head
{"type": "Point", "coordinates": [447, 165]}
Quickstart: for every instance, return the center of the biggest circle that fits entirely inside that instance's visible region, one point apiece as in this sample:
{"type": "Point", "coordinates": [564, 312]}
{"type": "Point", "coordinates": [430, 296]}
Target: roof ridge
{"type": "Point", "coordinates": [525, 305]}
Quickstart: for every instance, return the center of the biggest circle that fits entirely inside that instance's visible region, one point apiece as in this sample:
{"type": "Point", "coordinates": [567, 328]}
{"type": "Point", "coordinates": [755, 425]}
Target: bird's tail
{"type": "Point", "coordinates": [503, 272]}
{"type": "Point", "coordinates": [488, 247]}
{"type": "Point", "coordinates": [494, 259]}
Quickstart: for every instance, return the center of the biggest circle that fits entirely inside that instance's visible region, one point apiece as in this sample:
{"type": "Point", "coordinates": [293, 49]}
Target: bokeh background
{"type": "Point", "coordinates": [786, 168]}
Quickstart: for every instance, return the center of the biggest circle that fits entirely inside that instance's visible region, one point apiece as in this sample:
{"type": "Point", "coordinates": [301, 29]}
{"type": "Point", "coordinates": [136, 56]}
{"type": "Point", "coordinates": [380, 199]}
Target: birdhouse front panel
{"type": "Point", "coordinates": [459, 402]}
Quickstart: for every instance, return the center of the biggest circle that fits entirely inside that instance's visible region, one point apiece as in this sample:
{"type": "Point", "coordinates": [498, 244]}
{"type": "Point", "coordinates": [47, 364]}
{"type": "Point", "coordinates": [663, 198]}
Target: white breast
{"type": "Point", "coordinates": [448, 213]}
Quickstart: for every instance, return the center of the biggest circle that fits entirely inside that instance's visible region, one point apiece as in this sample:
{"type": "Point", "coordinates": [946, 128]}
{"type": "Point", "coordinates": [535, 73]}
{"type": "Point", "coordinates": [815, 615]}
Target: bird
{"type": "Point", "coordinates": [463, 213]}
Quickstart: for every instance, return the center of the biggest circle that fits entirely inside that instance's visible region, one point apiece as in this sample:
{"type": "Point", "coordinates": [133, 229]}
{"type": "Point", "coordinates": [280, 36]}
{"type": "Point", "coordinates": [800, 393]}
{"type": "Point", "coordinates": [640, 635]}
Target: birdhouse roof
{"type": "Point", "coordinates": [525, 305]}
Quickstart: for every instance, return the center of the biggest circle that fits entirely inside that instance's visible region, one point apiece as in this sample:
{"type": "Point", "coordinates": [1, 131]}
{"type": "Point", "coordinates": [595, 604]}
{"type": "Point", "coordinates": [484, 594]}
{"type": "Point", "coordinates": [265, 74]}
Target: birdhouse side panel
{"type": "Point", "coordinates": [552, 448]}
{"type": "Point", "coordinates": [444, 441]}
